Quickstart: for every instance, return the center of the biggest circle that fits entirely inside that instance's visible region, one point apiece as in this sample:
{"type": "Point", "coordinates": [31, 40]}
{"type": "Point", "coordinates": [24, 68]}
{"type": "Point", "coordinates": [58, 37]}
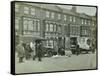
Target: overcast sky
{"type": "Point", "coordinates": [83, 9]}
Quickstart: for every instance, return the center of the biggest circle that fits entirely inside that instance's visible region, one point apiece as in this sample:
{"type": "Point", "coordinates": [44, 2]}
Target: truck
{"type": "Point", "coordinates": [80, 45]}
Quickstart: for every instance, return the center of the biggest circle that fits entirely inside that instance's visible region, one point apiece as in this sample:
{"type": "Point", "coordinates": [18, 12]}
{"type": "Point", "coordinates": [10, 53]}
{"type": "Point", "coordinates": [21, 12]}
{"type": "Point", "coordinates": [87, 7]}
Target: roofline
{"type": "Point", "coordinates": [26, 2]}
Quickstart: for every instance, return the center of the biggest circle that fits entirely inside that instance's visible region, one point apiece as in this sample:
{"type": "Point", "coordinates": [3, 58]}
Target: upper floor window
{"type": "Point", "coordinates": [85, 21]}
{"type": "Point", "coordinates": [47, 27]}
{"type": "Point", "coordinates": [71, 18]}
{"type": "Point", "coordinates": [47, 13]}
{"type": "Point", "coordinates": [25, 24]}
{"type": "Point", "coordinates": [30, 25]}
{"type": "Point", "coordinates": [59, 16]}
{"type": "Point", "coordinates": [38, 25]}
{"type": "Point", "coordinates": [32, 11]}
{"type": "Point", "coordinates": [16, 24]}
{"type": "Point", "coordinates": [51, 27]}
{"type": "Point", "coordinates": [55, 27]}
{"type": "Point", "coordinates": [16, 8]}
{"type": "Point", "coordinates": [82, 21]}
{"type": "Point", "coordinates": [26, 10]}
{"type": "Point", "coordinates": [52, 15]}
{"type": "Point", "coordinates": [59, 28]}
{"type": "Point", "coordinates": [93, 23]}
{"type": "Point", "coordinates": [74, 19]}
{"type": "Point", "coordinates": [89, 22]}
{"type": "Point", "coordinates": [65, 18]}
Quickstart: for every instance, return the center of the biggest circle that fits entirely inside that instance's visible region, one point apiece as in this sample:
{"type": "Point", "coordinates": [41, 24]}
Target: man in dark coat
{"type": "Point", "coordinates": [39, 50]}
{"type": "Point", "coordinates": [20, 51]}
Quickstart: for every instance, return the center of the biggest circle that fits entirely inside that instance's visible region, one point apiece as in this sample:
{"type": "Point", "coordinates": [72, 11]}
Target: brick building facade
{"type": "Point", "coordinates": [51, 22]}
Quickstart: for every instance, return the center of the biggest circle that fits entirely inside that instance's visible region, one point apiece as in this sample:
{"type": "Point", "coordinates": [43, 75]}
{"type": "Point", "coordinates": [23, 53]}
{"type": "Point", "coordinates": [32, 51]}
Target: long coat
{"type": "Point", "coordinates": [32, 46]}
{"type": "Point", "coordinates": [20, 50]}
{"type": "Point", "coordinates": [39, 50]}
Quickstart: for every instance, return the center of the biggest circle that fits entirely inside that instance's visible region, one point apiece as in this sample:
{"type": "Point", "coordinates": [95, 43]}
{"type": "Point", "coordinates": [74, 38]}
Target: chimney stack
{"type": "Point", "coordinates": [74, 9]}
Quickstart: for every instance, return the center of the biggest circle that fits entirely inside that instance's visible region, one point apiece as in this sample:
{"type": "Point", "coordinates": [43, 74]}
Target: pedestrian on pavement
{"type": "Point", "coordinates": [27, 51]}
{"type": "Point", "coordinates": [20, 51]}
{"type": "Point", "coordinates": [39, 50]}
{"type": "Point", "coordinates": [32, 46]}
{"type": "Point", "coordinates": [77, 49]}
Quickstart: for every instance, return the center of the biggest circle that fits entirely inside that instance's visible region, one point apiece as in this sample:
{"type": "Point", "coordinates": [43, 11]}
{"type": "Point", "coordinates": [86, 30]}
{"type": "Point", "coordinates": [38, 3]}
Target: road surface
{"type": "Point", "coordinates": [60, 63]}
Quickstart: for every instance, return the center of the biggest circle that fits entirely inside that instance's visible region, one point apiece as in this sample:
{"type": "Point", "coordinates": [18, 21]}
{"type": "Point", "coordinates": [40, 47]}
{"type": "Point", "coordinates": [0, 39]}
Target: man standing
{"type": "Point", "coordinates": [20, 51]}
{"type": "Point", "coordinates": [39, 50]}
{"type": "Point", "coordinates": [32, 46]}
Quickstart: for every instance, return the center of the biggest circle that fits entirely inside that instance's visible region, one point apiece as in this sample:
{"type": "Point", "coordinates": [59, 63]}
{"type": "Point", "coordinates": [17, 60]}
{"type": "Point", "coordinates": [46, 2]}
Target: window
{"type": "Point", "coordinates": [71, 18]}
{"type": "Point", "coordinates": [31, 26]}
{"type": "Point", "coordinates": [59, 28]}
{"type": "Point", "coordinates": [16, 24]}
{"type": "Point", "coordinates": [93, 23]}
{"type": "Point", "coordinates": [85, 31]}
{"type": "Point", "coordinates": [74, 19]}
{"type": "Point", "coordinates": [47, 27]}
{"type": "Point", "coordinates": [25, 24]}
{"type": "Point", "coordinates": [74, 30]}
{"type": "Point", "coordinates": [59, 16]}
{"type": "Point", "coordinates": [49, 43]}
{"type": "Point", "coordinates": [51, 27]}
{"type": "Point", "coordinates": [38, 23]}
{"type": "Point", "coordinates": [52, 15]}
{"type": "Point", "coordinates": [26, 10]}
{"type": "Point", "coordinates": [16, 8]}
{"type": "Point", "coordinates": [89, 22]}
{"type": "Point", "coordinates": [32, 11]}
{"type": "Point", "coordinates": [85, 21]}
{"type": "Point", "coordinates": [65, 17]}
{"type": "Point", "coordinates": [47, 13]}
{"type": "Point", "coordinates": [82, 21]}
{"type": "Point", "coordinates": [55, 28]}
{"type": "Point", "coordinates": [34, 25]}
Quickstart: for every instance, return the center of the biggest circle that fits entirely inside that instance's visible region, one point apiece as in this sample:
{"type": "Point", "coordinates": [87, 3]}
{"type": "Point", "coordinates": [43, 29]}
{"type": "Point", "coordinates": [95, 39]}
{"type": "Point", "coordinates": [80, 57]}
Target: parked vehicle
{"type": "Point", "coordinates": [85, 45]}
{"type": "Point", "coordinates": [78, 45]}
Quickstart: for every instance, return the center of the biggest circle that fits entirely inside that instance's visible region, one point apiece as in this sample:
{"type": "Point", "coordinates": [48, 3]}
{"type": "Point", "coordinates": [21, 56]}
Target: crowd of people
{"type": "Point", "coordinates": [35, 50]}
{"type": "Point", "coordinates": [29, 50]}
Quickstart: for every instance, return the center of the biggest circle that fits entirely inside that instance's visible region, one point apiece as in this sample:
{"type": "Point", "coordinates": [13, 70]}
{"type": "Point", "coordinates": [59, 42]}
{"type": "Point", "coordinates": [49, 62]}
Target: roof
{"type": "Point", "coordinates": [46, 6]}
{"type": "Point", "coordinates": [58, 8]}
{"type": "Point", "coordinates": [83, 15]}
{"type": "Point", "coordinates": [51, 7]}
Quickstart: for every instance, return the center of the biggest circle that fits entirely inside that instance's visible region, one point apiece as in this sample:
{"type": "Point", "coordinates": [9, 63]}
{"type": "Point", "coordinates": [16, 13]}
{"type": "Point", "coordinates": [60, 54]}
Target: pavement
{"type": "Point", "coordinates": [57, 63]}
